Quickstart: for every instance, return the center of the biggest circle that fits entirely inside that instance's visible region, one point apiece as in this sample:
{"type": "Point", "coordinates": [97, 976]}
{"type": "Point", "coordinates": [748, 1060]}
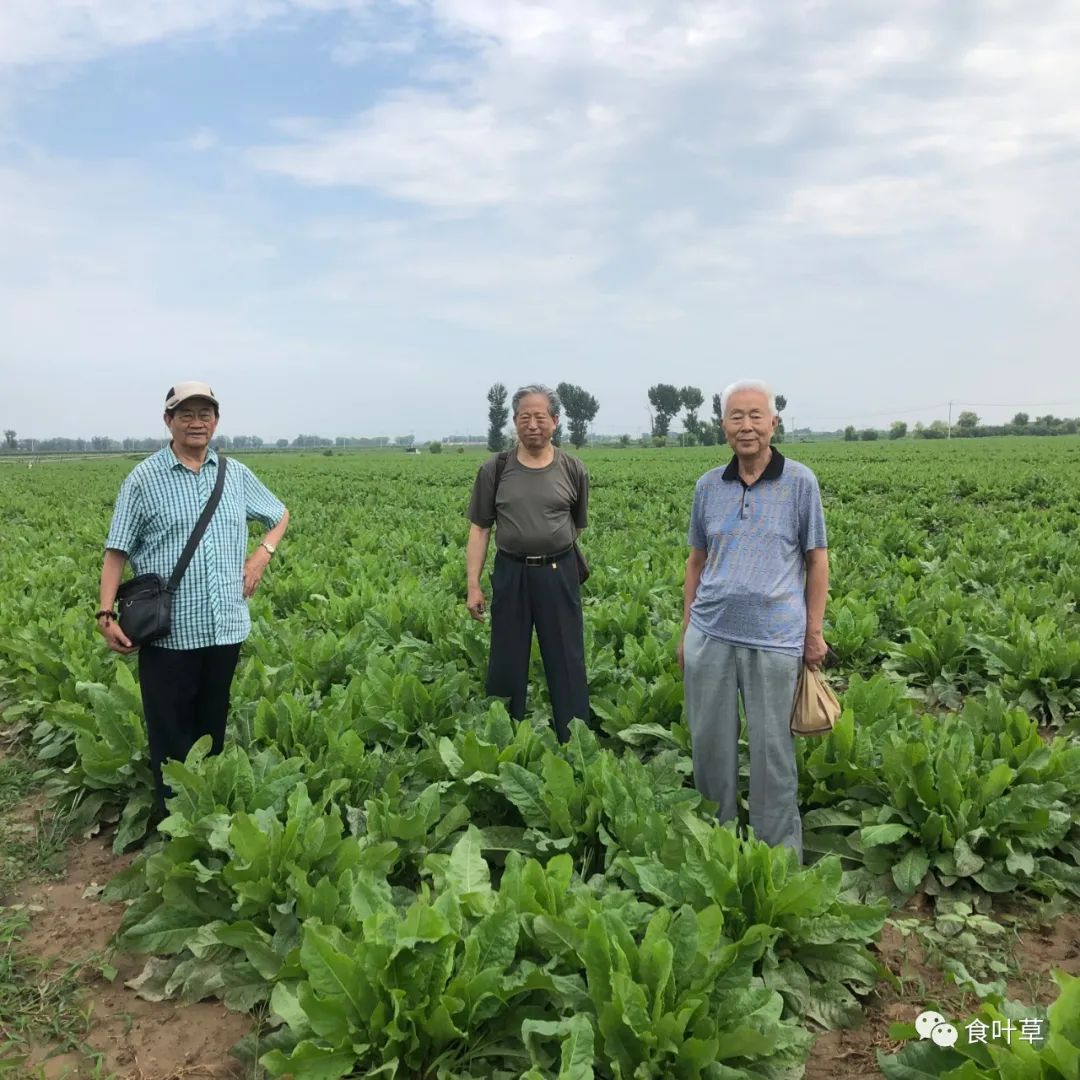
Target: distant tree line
{"type": "Point", "coordinates": [104, 444]}
{"type": "Point", "coordinates": [969, 426]}
{"type": "Point", "coordinates": [666, 402]}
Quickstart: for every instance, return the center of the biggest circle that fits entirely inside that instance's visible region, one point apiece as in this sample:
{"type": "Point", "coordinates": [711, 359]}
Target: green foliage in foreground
{"type": "Point", "coordinates": [423, 929]}
{"type": "Point", "coordinates": [976, 798]}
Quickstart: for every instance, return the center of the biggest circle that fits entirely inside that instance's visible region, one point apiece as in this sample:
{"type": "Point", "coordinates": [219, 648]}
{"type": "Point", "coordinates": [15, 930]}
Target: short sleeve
{"type": "Point", "coordinates": [128, 518]}
{"type": "Point", "coordinates": [259, 503]}
{"type": "Point", "coordinates": [482, 503]}
{"type": "Point", "coordinates": [580, 510]}
{"type": "Point", "coordinates": [698, 537]}
{"type": "Point", "coordinates": [812, 533]}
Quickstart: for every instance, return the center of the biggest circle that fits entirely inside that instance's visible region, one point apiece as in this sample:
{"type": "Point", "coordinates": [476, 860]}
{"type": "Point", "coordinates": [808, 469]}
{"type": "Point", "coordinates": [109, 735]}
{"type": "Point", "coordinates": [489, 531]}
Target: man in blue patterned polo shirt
{"type": "Point", "coordinates": [185, 677]}
{"type": "Point", "coordinates": [753, 605]}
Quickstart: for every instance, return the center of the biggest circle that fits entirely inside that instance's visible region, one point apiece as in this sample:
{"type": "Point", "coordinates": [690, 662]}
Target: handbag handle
{"type": "Point", "coordinates": [200, 527]}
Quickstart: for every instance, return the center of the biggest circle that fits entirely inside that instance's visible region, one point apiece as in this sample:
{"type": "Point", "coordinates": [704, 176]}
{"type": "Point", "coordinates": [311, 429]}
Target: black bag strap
{"type": "Point", "coordinates": [500, 465]}
{"type": "Point", "coordinates": [200, 527]}
{"type": "Point", "coordinates": [579, 479]}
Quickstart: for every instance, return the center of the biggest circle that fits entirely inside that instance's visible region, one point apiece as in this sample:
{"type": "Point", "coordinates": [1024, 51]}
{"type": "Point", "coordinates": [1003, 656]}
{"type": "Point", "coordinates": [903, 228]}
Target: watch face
{"type": "Point", "coordinates": [270, 548]}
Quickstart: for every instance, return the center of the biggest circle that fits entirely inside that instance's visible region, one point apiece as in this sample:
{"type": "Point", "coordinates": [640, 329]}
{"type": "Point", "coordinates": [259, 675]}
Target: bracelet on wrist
{"type": "Point", "coordinates": [107, 614]}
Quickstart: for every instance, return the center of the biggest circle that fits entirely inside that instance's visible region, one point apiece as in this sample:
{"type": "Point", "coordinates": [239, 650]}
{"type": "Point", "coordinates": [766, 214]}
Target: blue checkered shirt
{"type": "Point", "coordinates": [157, 508]}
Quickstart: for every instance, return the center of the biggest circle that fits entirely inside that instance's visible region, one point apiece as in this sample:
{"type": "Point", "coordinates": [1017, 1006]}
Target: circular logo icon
{"type": "Point", "coordinates": [944, 1035]}
{"type": "Point", "coordinates": [926, 1022]}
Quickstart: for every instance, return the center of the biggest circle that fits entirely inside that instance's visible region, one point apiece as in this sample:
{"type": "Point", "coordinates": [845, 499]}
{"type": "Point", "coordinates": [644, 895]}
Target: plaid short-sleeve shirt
{"type": "Point", "coordinates": [157, 508]}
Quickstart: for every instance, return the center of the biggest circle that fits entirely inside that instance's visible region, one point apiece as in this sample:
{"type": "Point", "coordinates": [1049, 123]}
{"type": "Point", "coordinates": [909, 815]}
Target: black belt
{"type": "Point", "coordinates": [536, 560]}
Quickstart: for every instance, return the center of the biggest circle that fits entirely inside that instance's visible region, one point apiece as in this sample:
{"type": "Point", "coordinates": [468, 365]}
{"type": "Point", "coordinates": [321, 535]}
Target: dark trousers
{"type": "Point", "coordinates": [185, 694]}
{"type": "Point", "coordinates": [548, 597]}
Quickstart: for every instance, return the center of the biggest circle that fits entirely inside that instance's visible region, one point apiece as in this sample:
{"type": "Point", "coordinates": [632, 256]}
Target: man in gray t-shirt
{"type": "Point", "coordinates": [536, 497]}
{"type": "Point", "coordinates": [753, 605]}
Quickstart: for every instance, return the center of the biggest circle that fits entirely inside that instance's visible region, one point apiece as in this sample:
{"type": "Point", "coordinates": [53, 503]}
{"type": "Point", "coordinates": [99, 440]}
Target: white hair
{"type": "Point", "coordinates": [748, 384]}
{"type": "Point", "coordinates": [554, 404]}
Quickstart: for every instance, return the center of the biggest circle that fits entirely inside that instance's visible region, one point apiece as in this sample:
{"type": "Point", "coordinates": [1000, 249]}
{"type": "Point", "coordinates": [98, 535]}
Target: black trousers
{"type": "Point", "coordinates": [548, 597]}
{"type": "Point", "coordinates": [185, 694]}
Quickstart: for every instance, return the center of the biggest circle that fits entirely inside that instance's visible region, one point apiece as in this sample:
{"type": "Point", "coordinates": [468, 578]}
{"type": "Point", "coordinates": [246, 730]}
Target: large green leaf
{"type": "Point", "coordinates": [876, 835]}
{"type": "Point", "coordinates": [164, 931]}
{"type": "Point", "coordinates": [909, 872]}
{"type": "Point", "coordinates": [468, 874]}
{"type": "Point", "coordinates": [309, 1061]}
{"type": "Point", "coordinates": [331, 970]}
{"type": "Point", "coordinates": [525, 790]}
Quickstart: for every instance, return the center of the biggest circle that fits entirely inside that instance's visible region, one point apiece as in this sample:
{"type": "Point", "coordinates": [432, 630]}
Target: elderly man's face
{"type": "Point", "coordinates": [192, 424]}
{"type": "Point", "coordinates": [748, 424]}
{"type": "Point", "coordinates": [534, 422]}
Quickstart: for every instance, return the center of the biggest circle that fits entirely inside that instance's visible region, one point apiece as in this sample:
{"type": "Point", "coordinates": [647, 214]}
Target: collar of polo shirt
{"type": "Point", "coordinates": [773, 471]}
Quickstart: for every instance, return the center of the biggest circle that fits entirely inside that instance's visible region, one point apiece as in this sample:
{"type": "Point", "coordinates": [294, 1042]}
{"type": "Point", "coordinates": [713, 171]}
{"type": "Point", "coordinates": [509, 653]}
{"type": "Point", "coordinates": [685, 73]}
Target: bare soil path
{"type": "Point", "coordinates": [852, 1055]}
{"type": "Point", "coordinates": [136, 1039]}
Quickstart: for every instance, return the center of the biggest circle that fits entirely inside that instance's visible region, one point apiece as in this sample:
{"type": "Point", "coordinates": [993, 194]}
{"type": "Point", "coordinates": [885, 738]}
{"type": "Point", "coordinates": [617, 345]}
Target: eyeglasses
{"type": "Point", "coordinates": [186, 416]}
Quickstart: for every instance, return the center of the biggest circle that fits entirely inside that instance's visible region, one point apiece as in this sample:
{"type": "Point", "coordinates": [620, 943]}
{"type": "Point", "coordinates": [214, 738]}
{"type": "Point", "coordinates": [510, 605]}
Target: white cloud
{"type": "Point", "coordinates": [430, 149]}
{"type": "Point", "coordinates": [643, 39]}
{"type": "Point", "coordinates": [553, 95]}
{"type": "Point", "coordinates": [870, 205]}
{"type": "Point", "coordinates": [969, 129]}
{"type": "Point", "coordinates": [419, 147]}
{"type": "Point", "coordinates": [43, 31]}
{"type": "Point", "coordinates": [85, 301]}
{"type": "Point", "coordinates": [201, 140]}
{"type": "Point", "coordinates": [888, 120]}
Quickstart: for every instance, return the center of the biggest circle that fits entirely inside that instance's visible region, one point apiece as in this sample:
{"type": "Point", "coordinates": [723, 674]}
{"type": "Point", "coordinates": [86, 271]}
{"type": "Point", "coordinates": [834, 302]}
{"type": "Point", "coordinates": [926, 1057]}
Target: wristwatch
{"type": "Point", "coordinates": [269, 547]}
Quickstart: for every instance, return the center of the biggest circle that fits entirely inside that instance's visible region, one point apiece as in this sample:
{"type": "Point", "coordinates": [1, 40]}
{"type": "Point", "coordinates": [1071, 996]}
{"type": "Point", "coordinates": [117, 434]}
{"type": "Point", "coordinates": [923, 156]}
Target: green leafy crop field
{"type": "Point", "coordinates": [416, 887]}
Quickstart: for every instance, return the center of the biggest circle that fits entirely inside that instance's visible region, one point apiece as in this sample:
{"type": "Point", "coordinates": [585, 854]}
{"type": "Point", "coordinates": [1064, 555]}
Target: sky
{"type": "Point", "coordinates": [351, 217]}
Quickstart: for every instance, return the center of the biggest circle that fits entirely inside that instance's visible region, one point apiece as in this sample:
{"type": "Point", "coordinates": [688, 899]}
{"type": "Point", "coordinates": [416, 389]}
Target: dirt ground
{"type": "Point", "coordinates": [138, 1040]}
{"type": "Point", "coordinates": [852, 1055]}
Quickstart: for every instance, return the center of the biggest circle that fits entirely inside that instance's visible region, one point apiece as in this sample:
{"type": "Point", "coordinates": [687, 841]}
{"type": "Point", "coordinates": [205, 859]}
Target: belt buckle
{"type": "Point", "coordinates": [535, 560]}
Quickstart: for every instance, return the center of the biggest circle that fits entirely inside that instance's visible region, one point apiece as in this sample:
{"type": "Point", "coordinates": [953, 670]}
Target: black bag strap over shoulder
{"type": "Point", "coordinates": [500, 466]}
{"type": "Point", "coordinates": [200, 527]}
{"type": "Point", "coordinates": [579, 478]}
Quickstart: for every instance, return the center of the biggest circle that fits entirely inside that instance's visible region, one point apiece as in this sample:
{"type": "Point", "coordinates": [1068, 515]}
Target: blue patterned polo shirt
{"type": "Point", "coordinates": [158, 505]}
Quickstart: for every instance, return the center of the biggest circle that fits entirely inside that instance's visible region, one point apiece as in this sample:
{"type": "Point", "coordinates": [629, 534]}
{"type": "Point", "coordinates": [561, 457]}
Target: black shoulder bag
{"type": "Point", "coordinates": [579, 558]}
{"type": "Point", "coordinates": [145, 602]}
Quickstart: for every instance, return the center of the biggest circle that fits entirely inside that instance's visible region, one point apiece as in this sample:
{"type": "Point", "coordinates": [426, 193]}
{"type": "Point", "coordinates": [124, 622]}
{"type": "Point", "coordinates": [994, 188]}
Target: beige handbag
{"type": "Point", "coordinates": [816, 707]}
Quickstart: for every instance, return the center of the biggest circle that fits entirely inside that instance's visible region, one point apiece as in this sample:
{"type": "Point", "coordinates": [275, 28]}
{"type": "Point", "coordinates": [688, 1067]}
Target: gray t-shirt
{"type": "Point", "coordinates": [535, 511]}
{"type": "Point", "coordinates": [752, 588]}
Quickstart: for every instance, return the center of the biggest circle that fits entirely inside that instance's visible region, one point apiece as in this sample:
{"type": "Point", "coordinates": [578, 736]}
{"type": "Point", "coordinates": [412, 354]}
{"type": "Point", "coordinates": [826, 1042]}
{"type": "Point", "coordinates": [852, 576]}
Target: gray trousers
{"type": "Point", "coordinates": [715, 674]}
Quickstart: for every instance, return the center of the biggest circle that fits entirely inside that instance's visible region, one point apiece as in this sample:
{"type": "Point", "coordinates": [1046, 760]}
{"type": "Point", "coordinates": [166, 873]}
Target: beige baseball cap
{"type": "Point", "coordinates": [181, 391]}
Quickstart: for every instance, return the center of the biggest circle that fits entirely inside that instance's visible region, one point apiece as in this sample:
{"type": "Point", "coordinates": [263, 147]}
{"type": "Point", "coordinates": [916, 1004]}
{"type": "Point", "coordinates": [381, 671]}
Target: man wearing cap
{"type": "Point", "coordinates": [757, 580]}
{"type": "Point", "coordinates": [537, 498]}
{"type": "Point", "coordinates": [185, 677]}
